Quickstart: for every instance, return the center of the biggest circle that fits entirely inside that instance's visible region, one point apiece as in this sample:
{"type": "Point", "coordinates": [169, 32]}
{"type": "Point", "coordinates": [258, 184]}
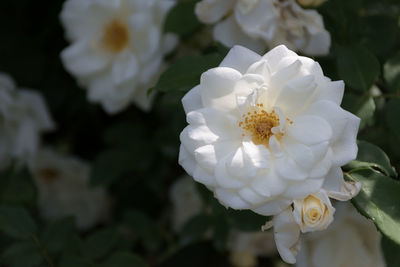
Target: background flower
{"type": "Point", "coordinates": [117, 48]}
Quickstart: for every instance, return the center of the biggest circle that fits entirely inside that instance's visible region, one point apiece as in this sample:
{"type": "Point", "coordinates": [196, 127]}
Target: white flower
{"type": "Point", "coordinates": [258, 24]}
{"type": "Point", "coordinates": [265, 131]}
{"type": "Point", "coordinates": [23, 116]}
{"type": "Point", "coordinates": [245, 247]}
{"type": "Point", "coordinates": [315, 212]}
{"type": "Point", "coordinates": [117, 48]}
{"type": "Point", "coordinates": [186, 202]}
{"type": "Point", "coordinates": [350, 241]}
{"type": "Point", "coordinates": [310, 3]}
{"type": "Point", "coordinates": [63, 185]}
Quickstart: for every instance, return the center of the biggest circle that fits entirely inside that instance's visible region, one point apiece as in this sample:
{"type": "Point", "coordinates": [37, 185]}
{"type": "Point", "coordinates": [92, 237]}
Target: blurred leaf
{"type": "Point", "coordinates": [16, 222]}
{"type": "Point", "coordinates": [181, 19]}
{"type": "Point", "coordinates": [370, 155]}
{"type": "Point", "coordinates": [100, 243]}
{"type": "Point", "coordinates": [185, 73]}
{"type": "Point", "coordinates": [391, 72]}
{"type": "Point", "coordinates": [144, 228]}
{"type": "Point", "coordinates": [245, 220]}
{"type": "Point", "coordinates": [75, 262]}
{"type": "Point", "coordinates": [122, 133]}
{"type": "Point", "coordinates": [391, 252]}
{"type": "Point", "coordinates": [21, 254]}
{"type": "Point", "coordinates": [56, 235]}
{"type": "Point", "coordinates": [376, 28]}
{"type": "Point", "coordinates": [363, 107]}
{"type": "Point", "coordinates": [378, 200]}
{"type": "Point", "coordinates": [194, 229]}
{"type": "Point", "coordinates": [17, 187]}
{"type": "Point", "coordinates": [392, 109]}
{"type": "Point", "coordinates": [357, 66]}
{"type": "Point", "coordinates": [124, 259]}
{"type": "Point", "coordinates": [220, 233]}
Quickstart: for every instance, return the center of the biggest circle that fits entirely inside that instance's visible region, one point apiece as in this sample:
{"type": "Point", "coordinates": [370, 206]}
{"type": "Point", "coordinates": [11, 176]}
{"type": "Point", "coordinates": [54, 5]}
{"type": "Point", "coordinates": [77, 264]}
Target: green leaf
{"type": "Point", "coordinates": [391, 72]}
{"type": "Point", "coordinates": [363, 107]}
{"type": "Point", "coordinates": [75, 262]}
{"type": "Point", "coordinates": [220, 232]}
{"type": "Point", "coordinates": [357, 66]}
{"type": "Point", "coordinates": [185, 73]}
{"type": "Point", "coordinates": [370, 155]}
{"type": "Point", "coordinates": [181, 19]}
{"type": "Point", "coordinates": [379, 200]}
{"type": "Point", "coordinates": [56, 236]}
{"type": "Point", "coordinates": [100, 243]}
{"type": "Point", "coordinates": [17, 187]}
{"type": "Point", "coordinates": [391, 252]}
{"type": "Point", "coordinates": [194, 229]}
{"type": "Point", "coordinates": [392, 111]}
{"type": "Point", "coordinates": [124, 259]}
{"type": "Point", "coordinates": [21, 254]}
{"type": "Point", "coordinates": [16, 222]}
{"type": "Point", "coordinates": [144, 228]}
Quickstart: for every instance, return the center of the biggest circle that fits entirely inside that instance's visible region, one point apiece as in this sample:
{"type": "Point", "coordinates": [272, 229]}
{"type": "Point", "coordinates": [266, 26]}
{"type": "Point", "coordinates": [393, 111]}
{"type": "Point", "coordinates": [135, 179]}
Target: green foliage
{"type": "Point", "coordinates": [378, 200]}
{"type": "Point", "coordinates": [390, 251]}
{"type": "Point", "coordinates": [22, 254]}
{"type": "Point", "coordinates": [17, 188]}
{"type": "Point", "coordinates": [357, 66]}
{"type": "Point", "coordinates": [181, 19]}
{"type": "Point", "coordinates": [16, 223]}
{"type": "Point", "coordinates": [124, 259]}
{"type": "Point", "coordinates": [363, 107]}
{"type": "Point", "coordinates": [391, 72]}
{"type": "Point", "coordinates": [100, 243]}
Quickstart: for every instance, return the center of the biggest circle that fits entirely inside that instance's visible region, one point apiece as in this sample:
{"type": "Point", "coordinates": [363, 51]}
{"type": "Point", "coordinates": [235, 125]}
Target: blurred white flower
{"type": "Point", "coordinates": [350, 241]}
{"type": "Point", "coordinates": [265, 131]}
{"type": "Point", "coordinates": [186, 202]}
{"type": "Point", "coordinates": [63, 185]}
{"type": "Point", "coordinates": [245, 247]}
{"type": "Point", "coordinates": [259, 24]}
{"type": "Point", "coordinates": [313, 213]}
{"type": "Point", "coordinates": [310, 3]}
{"type": "Point", "coordinates": [23, 116]}
{"type": "Point", "coordinates": [117, 48]}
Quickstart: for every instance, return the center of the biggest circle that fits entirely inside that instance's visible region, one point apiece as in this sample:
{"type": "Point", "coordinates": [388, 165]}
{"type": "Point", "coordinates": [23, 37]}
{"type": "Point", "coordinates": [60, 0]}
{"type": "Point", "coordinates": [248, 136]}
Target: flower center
{"type": "Point", "coordinates": [48, 174]}
{"type": "Point", "coordinates": [259, 124]}
{"type": "Point", "coordinates": [115, 36]}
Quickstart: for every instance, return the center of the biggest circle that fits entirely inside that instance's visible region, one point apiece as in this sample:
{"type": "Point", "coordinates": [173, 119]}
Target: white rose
{"type": "Point", "coordinates": [264, 131]}
{"type": "Point", "coordinates": [258, 24]}
{"type": "Point", "coordinates": [186, 202]}
{"type": "Point", "coordinates": [350, 241]}
{"type": "Point", "coordinates": [315, 212]}
{"type": "Point", "coordinates": [245, 247]}
{"type": "Point", "coordinates": [63, 185]}
{"type": "Point", "coordinates": [23, 117]}
{"type": "Point", "coordinates": [310, 3]}
{"type": "Point", "coordinates": [117, 48]}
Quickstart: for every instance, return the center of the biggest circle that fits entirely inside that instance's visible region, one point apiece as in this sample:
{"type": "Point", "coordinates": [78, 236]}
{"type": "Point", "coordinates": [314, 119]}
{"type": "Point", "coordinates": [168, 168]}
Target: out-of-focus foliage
{"type": "Point", "coordinates": [134, 154]}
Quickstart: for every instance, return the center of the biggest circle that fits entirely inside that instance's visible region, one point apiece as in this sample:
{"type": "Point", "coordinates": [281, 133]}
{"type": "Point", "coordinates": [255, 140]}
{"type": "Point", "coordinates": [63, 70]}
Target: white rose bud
{"type": "Point", "coordinates": [266, 130]}
{"type": "Point", "coordinates": [117, 48]}
{"type": "Point", "coordinates": [315, 212]}
{"type": "Point", "coordinates": [259, 24]}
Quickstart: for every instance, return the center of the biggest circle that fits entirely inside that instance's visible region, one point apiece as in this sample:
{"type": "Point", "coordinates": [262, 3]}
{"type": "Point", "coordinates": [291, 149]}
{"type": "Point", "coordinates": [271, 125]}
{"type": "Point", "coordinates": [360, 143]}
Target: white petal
{"type": "Point", "coordinates": [310, 130]}
{"type": "Point", "coordinates": [250, 196]}
{"type": "Point", "coordinates": [275, 55]}
{"type": "Point", "coordinates": [345, 148]}
{"type": "Point", "coordinates": [224, 179]}
{"type": "Point", "coordinates": [298, 190]}
{"type": "Point", "coordinates": [216, 87]}
{"type": "Point", "coordinates": [331, 91]}
{"type": "Point", "coordinates": [125, 67]}
{"type": "Point", "coordinates": [287, 236]}
{"type": "Point", "coordinates": [273, 207]}
{"type": "Point", "coordinates": [206, 157]}
{"type": "Point", "coordinates": [186, 160]}
{"type": "Point", "coordinates": [231, 199]}
{"type": "Point", "coordinates": [258, 155]}
{"type": "Point", "coordinates": [333, 179]}
{"type": "Point", "coordinates": [229, 34]}
{"type": "Point", "coordinates": [287, 168]}
{"type": "Point", "coordinates": [204, 177]}
{"type": "Point", "coordinates": [318, 44]}
{"type": "Point", "coordinates": [240, 58]}
{"type": "Point", "coordinates": [301, 154]}
{"type": "Point", "coordinates": [210, 11]}
{"type": "Point", "coordinates": [337, 188]}
{"type": "Point", "coordinates": [192, 100]}
{"type": "Point", "coordinates": [269, 184]}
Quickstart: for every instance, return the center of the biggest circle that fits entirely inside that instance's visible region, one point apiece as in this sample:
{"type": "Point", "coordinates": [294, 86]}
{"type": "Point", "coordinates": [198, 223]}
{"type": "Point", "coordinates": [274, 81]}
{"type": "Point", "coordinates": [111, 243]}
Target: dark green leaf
{"type": "Point", "coordinates": [17, 187]}
{"type": "Point", "coordinates": [100, 243]}
{"type": "Point", "coordinates": [185, 73]}
{"type": "Point", "coordinates": [75, 262]}
{"type": "Point", "coordinates": [391, 252]}
{"type": "Point", "coordinates": [194, 229]}
{"type": "Point", "coordinates": [124, 259]}
{"type": "Point", "coordinates": [357, 66]}
{"type": "Point", "coordinates": [363, 107]}
{"type": "Point", "coordinates": [16, 222]}
{"type": "Point", "coordinates": [220, 232]}
{"type": "Point", "coordinates": [245, 220]}
{"type": "Point", "coordinates": [391, 72]}
{"type": "Point", "coordinates": [392, 116]}
{"type": "Point", "coordinates": [21, 254]}
{"type": "Point", "coordinates": [370, 155]}
{"type": "Point", "coordinates": [379, 200]}
{"type": "Point", "coordinates": [182, 19]}
{"type": "Point", "coordinates": [56, 236]}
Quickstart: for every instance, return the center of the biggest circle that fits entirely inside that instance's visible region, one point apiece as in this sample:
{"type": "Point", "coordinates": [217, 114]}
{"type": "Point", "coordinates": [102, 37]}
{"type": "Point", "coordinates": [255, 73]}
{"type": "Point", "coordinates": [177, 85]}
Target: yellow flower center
{"type": "Point", "coordinates": [314, 208]}
{"type": "Point", "coordinates": [115, 36]}
{"type": "Point", "coordinates": [48, 175]}
{"type": "Point", "coordinates": [259, 123]}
